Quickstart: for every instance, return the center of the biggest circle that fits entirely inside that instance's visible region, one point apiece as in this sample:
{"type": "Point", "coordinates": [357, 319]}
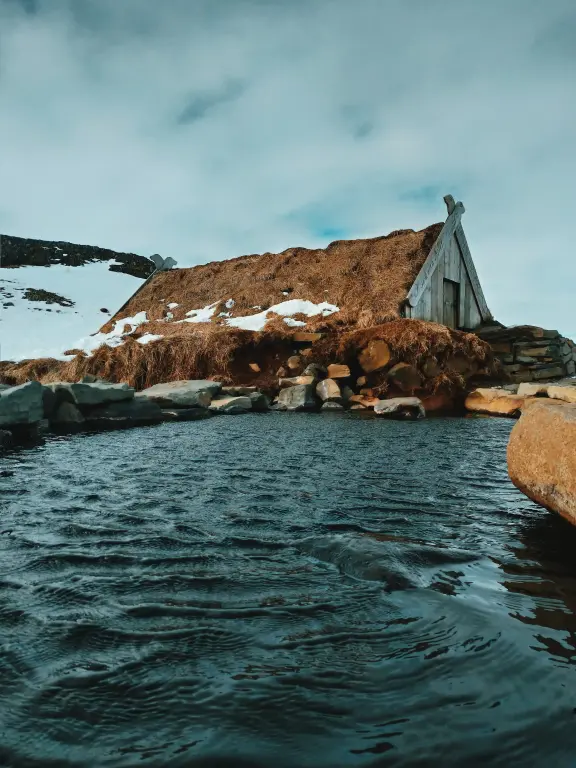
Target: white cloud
{"type": "Point", "coordinates": [325, 115]}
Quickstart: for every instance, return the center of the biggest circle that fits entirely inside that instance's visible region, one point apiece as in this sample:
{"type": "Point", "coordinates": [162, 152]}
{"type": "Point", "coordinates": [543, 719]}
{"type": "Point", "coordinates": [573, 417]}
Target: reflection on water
{"type": "Point", "coordinates": [284, 590]}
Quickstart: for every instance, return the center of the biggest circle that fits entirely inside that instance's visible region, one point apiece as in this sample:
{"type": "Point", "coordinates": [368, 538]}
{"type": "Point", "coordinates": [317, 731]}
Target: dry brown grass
{"type": "Point", "coordinates": [368, 279]}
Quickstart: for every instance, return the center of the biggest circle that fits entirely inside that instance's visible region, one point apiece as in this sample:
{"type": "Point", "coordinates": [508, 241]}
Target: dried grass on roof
{"type": "Point", "coordinates": [368, 279]}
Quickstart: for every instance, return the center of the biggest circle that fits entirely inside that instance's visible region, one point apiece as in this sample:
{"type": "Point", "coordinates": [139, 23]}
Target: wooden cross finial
{"type": "Point", "coordinates": [451, 204]}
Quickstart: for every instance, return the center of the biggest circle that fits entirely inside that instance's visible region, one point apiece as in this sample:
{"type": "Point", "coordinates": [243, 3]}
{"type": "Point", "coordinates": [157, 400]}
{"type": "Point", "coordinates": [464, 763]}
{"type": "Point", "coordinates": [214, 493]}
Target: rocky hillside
{"type": "Point", "coordinates": [27, 252]}
{"type": "Point", "coordinates": [54, 294]}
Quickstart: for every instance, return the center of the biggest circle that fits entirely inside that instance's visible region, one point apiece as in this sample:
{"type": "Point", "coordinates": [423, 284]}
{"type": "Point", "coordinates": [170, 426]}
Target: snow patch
{"type": "Point", "coordinates": [116, 337]}
{"type": "Point", "coordinates": [200, 315]}
{"type": "Point", "coordinates": [173, 305]}
{"type": "Point", "coordinates": [284, 309]}
{"type": "Point", "coordinates": [148, 337]}
{"type": "Point", "coordinates": [32, 329]}
{"type": "Point", "coordinates": [294, 323]}
{"type": "Point", "coordinates": [230, 303]}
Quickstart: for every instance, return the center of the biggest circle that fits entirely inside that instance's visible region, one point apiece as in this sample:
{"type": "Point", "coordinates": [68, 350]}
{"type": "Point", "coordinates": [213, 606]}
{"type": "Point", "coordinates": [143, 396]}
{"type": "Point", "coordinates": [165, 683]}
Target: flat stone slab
{"type": "Point", "coordinates": [22, 405]}
{"type": "Point", "coordinates": [185, 414]}
{"type": "Point", "coordinates": [400, 408]}
{"type": "Point", "coordinates": [259, 402]}
{"type": "Point", "coordinates": [182, 394]}
{"type": "Point", "coordinates": [231, 405]}
{"type": "Point", "coordinates": [131, 413]}
{"type": "Point", "coordinates": [88, 395]}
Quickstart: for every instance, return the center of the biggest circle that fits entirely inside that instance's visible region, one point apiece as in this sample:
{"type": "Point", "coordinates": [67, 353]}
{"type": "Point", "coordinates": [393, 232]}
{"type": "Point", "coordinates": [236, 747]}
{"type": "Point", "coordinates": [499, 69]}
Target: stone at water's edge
{"type": "Point", "coordinates": [328, 389]}
{"type": "Point", "coordinates": [400, 408]}
{"type": "Point", "coordinates": [5, 438]}
{"type": "Point", "coordinates": [542, 456]}
{"type": "Point", "coordinates": [22, 405]}
{"type": "Point", "coordinates": [67, 413]}
{"type": "Point", "coordinates": [185, 414]}
{"type": "Point", "coordinates": [495, 401]}
{"type": "Point", "coordinates": [300, 397]}
{"type": "Point", "coordinates": [295, 381]}
{"type": "Point", "coordinates": [181, 394]}
{"type": "Point", "coordinates": [240, 404]}
{"type": "Point", "coordinates": [405, 377]}
{"type": "Point", "coordinates": [88, 395]}
{"type": "Point", "coordinates": [332, 405]}
{"type": "Point", "coordinates": [127, 414]}
{"type": "Point", "coordinates": [260, 402]}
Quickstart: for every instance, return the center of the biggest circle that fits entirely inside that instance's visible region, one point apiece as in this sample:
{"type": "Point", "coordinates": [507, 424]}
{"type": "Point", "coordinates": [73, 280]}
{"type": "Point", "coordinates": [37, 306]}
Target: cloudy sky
{"type": "Point", "coordinates": [204, 129]}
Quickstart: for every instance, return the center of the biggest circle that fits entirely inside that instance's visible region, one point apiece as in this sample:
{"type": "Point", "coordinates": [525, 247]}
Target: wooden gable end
{"type": "Point", "coordinates": [447, 289]}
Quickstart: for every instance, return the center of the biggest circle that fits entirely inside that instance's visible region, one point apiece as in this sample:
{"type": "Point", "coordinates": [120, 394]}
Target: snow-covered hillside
{"type": "Point", "coordinates": [46, 310]}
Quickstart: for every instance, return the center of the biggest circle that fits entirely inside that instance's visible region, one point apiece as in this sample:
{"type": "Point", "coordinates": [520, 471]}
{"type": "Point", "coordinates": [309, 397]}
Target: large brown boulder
{"type": "Point", "coordinates": [405, 377]}
{"type": "Point", "coordinates": [374, 356]}
{"type": "Point", "coordinates": [542, 456]}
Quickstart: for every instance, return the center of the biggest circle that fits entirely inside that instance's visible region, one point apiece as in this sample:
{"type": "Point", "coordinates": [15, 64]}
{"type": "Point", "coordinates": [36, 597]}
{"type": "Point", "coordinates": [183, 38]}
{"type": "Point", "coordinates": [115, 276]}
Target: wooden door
{"type": "Point", "coordinates": [451, 301]}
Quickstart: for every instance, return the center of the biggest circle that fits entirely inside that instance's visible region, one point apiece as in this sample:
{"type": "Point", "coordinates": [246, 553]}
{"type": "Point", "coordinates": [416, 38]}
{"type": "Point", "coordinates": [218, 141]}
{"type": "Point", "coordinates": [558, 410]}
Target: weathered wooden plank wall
{"type": "Point", "coordinates": [449, 264]}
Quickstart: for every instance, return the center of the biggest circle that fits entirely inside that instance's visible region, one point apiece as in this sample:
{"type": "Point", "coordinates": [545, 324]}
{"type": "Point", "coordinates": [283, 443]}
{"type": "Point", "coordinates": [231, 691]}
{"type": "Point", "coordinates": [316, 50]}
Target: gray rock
{"type": "Point", "coordinates": [347, 393]}
{"type": "Point", "coordinates": [570, 368]}
{"type": "Point", "coordinates": [185, 414]}
{"type": "Point", "coordinates": [259, 401]}
{"type": "Point", "coordinates": [131, 413]}
{"type": "Point", "coordinates": [400, 408]}
{"type": "Point", "coordinates": [22, 405]}
{"type": "Point", "coordinates": [67, 413]}
{"type": "Point", "coordinates": [332, 405]}
{"type": "Point", "coordinates": [91, 379]}
{"type": "Point", "coordinates": [328, 389]}
{"type": "Point", "coordinates": [300, 397]}
{"type": "Point", "coordinates": [525, 360]}
{"type": "Point", "coordinates": [181, 394]}
{"type": "Point", "coordinates": [231, 405]}
{"type": "Point", "coordinates": [49, 402]}
{"type": "Point", "coordinates": [315, 370]}
{"type": "Point", "coordinates": [88, 395]}
{"type": "Point", "coordinates": [235, 391]}
{"type": "Point", "coordinates": [5, 438]}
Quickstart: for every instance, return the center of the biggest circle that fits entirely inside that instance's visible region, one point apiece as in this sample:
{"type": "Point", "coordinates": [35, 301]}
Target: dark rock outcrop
{"type": "Point", "coordinates": [27, 252]}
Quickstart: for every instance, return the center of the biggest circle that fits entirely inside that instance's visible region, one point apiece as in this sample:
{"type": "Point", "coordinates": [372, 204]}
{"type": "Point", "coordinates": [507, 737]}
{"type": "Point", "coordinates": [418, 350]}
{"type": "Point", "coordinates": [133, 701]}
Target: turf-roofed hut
{"type": "Point", "coordinates": [239, 320]}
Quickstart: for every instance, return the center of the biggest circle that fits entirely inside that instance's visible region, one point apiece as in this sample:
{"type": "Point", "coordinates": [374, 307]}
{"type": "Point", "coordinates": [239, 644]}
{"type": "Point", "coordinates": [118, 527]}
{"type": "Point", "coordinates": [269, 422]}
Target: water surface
{"type": "Point", "coordinates": [283, 590]}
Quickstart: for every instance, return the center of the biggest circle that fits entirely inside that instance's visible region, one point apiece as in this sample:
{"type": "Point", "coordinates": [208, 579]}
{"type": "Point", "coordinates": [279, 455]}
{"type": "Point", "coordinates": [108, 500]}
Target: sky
{"type": "Point", "coordinates": [204, 130]}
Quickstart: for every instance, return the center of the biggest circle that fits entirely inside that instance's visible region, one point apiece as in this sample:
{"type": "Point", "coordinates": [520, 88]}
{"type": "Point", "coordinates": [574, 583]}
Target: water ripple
{"type": "Point", "coordinates": [285, 591]}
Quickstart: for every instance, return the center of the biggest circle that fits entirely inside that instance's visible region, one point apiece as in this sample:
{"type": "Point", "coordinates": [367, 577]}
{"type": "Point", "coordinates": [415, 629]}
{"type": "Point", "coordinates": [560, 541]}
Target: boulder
{"type": "Point", "coordinates": [91, 379]}
{"type": "Point", "coordinates": [185, 414]}
{"type": "Point", "coordinates": [231, 405]}
{"type": "Point", "coordinates": [358, 407]}
{"type": "Point", "coordinates": [295, 381]}
{"type": "Point", "coordinates": [294, 363]}
{"type": "Point", "coordinates": [495, 401]}
{"type": "Point", "coordinates": [236, 391]}
{"type": "Point", "coordinates": [130, 413]}
{"type": "Point", "coordinates": [328, 389]}
{"type": "Point", "coordinates": [260, 402]}
{"type": "Point", "coordinates": [405, 377]}
{"type": "Point", "coordinates": [254, 367]}
{"type": "Point", "coordinates": [566, 394]}
{"type": "Point", "coordinates": [315, 370]}
{"type": "Point", "coordinates": [281, 373]}
{"type": "Point", "coordinates": [5, 438]}
{"type": "Point", "coordinates": [22, 405]}
{"type": "Point", "coordinates": [181, 394]}
{"type": "Point", "coordinates": [297, 398]}
{"type": "Point", "coordinates": [526, 389]}
{"type": "Point", "coordinates": [400, 408]}
{"type": "Point", "coordinates": [49, 402]}
{"type": "Point", "coordinates": [361, 381]}
{"type": "Point", "coordinates": [375, 356]}
{"type": "Point", "coordinates": [461, 364]}
{"type": "Point", "coordinates": [67, 413]}
{"type": "Point", "coordinates": [542, 456]}
{"type": "Point", "coordinates": [331, 405]}
{"type": "Point", "coordinates": [571, 368]}
{"type": "Point", "coordinates": [89, 395]}
{"type": "Point", "coordinates": [337, 371]}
